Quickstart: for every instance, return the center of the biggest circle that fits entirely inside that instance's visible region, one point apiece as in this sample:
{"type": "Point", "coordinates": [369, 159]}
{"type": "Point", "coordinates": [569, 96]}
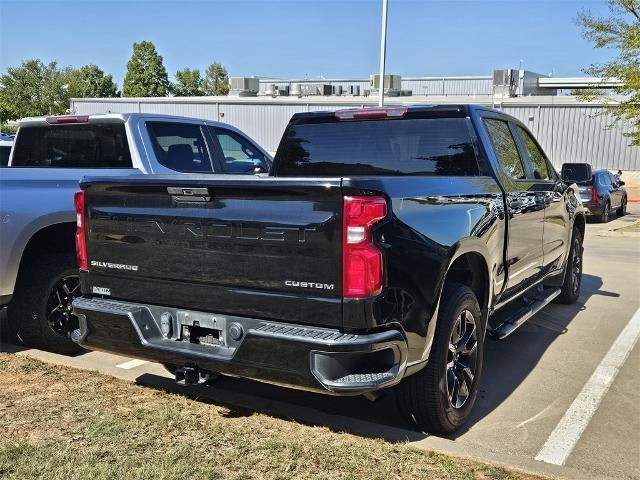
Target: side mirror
{"type": "Point", "coordinates": [620, 183]}
{"type": "Point", "coordinates": [575, 172]}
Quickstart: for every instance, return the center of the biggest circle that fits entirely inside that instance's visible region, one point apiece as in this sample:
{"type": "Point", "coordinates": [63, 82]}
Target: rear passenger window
{"type": "Point", "coordinates": [72, 146]}
{"type": "Point", "coordinates": [180, 146]}
{"type": "Point", "coordinates": [505, 147]}
{"type": "Point", "coordinates": [539, 161]}
{"type": "Point", "coordinates": [240, 156]}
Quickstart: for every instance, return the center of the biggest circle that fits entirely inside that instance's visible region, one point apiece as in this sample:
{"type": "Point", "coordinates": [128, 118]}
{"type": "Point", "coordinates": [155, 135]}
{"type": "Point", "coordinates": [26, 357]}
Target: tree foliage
{"type": "Point", "coordinates": [32, 89]}
{"type": "Point", "coordinates": [216, 80]}
{"type": "Point", "coordinates": [188, 83]}
{"type": "Point", "coordinates": [90, 81]}
{"type": "Point", "coordinates": [620, 31]}
{"type": "Point", "coordinates": [146, 75]}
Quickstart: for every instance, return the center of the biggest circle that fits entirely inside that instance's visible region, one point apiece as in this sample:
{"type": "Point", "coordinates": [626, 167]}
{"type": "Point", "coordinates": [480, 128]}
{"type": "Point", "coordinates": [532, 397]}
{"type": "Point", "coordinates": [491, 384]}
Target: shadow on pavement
{"type": "Point", "coordinates": [507, 363]}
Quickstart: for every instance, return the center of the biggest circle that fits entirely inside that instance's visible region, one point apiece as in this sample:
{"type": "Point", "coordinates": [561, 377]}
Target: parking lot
{"type": "Point", "coordinates": [555, 374]}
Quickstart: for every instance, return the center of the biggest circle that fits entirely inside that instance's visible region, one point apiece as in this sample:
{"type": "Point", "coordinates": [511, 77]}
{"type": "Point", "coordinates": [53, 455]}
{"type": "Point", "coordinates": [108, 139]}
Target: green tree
{"type": "Point", "coordinates": [216, 80]}
{"type": "Point", "coordinates": [620, 31]}
{"type": "Point", "coordinates": [188, 83]}
{"type": "Point", "coordinates": [90, 81]}
{"type": "Point", "coordinates": [32, 89]}
{"type": "Point", "coordinates": [146, 75]}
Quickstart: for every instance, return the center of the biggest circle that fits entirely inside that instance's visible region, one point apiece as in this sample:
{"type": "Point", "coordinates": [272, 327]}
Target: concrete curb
{"type": "Point", "coordinates": [614, 232]}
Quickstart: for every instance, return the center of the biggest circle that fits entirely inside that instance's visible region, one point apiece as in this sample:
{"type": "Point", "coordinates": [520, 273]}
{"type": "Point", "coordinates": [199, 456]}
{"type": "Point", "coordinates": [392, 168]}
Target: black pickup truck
{"type": "Point", "coordinates": [382, 248]}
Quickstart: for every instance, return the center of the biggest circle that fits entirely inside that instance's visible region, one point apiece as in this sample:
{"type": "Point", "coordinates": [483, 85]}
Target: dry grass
{"type": "Point", "coordinates": [630, 228]}
{"type": "Point", "coordinates": [61, 423]}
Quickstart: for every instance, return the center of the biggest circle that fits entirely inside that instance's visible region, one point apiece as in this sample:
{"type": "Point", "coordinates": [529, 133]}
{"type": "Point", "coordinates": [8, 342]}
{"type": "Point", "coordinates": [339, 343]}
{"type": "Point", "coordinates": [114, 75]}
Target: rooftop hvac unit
{"type": "Point", "coordinates": [316, 89]}
{"type": "Point", "coordinates": [283, 91]}
{"type": "Point", "coordinates": [297, 90]}
{"type": "Point", "coordinates": [352, 90]}
{"type": "Point", "coordinates": [244, 86]}
{"type": "Point", "coordinates": [505, 82]}
{"type": "Point", "coordinates": [391, 82]}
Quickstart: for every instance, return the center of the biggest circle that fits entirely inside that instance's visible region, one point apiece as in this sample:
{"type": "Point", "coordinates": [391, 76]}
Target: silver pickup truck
{"type": "Point", "coordinates": [38, 271]}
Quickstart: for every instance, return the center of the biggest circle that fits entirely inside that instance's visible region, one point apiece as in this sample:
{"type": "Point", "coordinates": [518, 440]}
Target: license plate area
{"type": "Point", "coordinates": [201, 328]}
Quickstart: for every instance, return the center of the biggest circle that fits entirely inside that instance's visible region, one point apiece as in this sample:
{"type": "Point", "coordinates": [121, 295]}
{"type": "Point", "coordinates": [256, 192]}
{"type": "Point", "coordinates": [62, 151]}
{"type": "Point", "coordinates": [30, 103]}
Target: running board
{"type": "Point", "coordinates": [524, 313]}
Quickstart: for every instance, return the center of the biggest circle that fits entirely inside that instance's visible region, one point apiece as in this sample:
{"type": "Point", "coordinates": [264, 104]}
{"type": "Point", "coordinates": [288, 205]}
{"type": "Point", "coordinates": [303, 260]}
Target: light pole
{"type": "Point", "coordinates": [383, 53]}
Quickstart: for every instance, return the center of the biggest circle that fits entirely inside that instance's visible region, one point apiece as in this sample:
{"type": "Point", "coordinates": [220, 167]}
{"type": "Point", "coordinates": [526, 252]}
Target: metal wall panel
{"type": "Point", "coordinates": [264, 123]}
{"type": "Point", "coordinates": [87, 107]}
{"type": "Point", "coordinates": [573, 133]}
{"type": "Point", "coordinates": [579, 134]}
{"type": "Point", "coordinates": [428, 86]}
{"type": "Point", "coordinates": [195, 110]}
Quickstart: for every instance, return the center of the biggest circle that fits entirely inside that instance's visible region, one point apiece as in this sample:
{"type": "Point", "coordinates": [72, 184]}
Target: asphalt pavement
{"type": "Point", "coordinates": [560, 396]}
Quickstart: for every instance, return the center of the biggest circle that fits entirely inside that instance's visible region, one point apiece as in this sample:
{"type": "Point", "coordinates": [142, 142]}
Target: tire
{"type": "Point", "coordinates": [44, 281]}
{"type": "Point", "coordinates": [622, 211]}
{"type": "Point", "coordinates": [427, 398]}
{"type": "Point", "coordinates": [572, 272]}
{"type": "Point", "coordinates": [606, 211]}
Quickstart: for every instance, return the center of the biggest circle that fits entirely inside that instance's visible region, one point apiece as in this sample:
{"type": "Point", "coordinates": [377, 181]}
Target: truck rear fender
{"type": "Point", "coordinates": [468, 265]}
{"type": "Point", "coordinates": [47, 234]}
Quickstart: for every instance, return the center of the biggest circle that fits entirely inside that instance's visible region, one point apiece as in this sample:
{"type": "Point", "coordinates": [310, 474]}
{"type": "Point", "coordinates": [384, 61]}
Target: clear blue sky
{"type": "Point", "coordinates": [305, 37]}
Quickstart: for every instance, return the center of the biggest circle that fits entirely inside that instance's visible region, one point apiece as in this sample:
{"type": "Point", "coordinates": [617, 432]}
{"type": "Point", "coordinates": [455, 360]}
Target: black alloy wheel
{"type": "Point", "coordinates": [439, 398]}
{"type": "Point", "coordinates": [576, 265]}
{"type": "Point", "coordinates": [462, 359]}
{"type": "Point", "coordinates": [60, 316]}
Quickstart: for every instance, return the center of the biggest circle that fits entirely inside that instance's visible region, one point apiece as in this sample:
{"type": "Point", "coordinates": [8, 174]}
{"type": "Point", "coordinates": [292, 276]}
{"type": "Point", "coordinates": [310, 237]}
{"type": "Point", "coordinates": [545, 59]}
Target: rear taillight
{"type": "Point", "coordinates": [361, 259]}
{"type": "Point", "coordinates": [81, 241]}
{"type": "Point", "coordinates": [594, 194]}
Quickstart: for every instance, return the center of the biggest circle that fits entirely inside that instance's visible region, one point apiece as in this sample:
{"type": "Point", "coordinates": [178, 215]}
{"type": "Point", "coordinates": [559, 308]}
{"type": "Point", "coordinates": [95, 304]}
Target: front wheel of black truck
{"type": "Point", "coordinates": [439, 398]}
{"type": "Point", "coordinates": [40, 310]}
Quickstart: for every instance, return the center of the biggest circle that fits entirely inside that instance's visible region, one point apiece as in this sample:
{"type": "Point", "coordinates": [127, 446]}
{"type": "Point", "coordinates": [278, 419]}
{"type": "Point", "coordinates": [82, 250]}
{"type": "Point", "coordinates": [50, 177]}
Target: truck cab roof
{"type": "Point", "coordinates": [112, 117]}
{"type": "Point", "coordinates": [390, 111]}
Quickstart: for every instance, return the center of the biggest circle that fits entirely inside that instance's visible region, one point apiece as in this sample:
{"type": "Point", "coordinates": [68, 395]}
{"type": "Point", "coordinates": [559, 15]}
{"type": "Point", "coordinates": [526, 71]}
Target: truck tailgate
{"type": "Point", "coordinates": [257, 247]}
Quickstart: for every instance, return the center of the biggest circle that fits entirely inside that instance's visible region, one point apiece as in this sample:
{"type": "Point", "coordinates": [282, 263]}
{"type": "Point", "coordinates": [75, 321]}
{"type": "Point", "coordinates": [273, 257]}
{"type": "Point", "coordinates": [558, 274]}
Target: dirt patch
{"type": "Point", "coordinates": [61, 423]}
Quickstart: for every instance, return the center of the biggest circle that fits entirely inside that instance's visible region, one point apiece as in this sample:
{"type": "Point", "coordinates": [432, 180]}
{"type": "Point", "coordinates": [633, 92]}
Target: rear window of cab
{"type": "Point", "coordinates": [72, 146]}
{"type": "Point", "coordinates": [424, 146]}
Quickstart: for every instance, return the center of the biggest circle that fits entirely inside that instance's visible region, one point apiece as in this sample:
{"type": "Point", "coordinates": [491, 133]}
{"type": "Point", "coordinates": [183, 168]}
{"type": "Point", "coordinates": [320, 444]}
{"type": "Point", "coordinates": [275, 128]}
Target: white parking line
{"type": "Point", "coordinates": [567, 433]}
{"type": "Point", "coordinates": [131, 364]}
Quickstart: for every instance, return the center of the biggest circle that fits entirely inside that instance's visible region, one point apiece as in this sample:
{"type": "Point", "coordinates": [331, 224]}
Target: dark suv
{"type": "Point", "coordinates": [603, 193]}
